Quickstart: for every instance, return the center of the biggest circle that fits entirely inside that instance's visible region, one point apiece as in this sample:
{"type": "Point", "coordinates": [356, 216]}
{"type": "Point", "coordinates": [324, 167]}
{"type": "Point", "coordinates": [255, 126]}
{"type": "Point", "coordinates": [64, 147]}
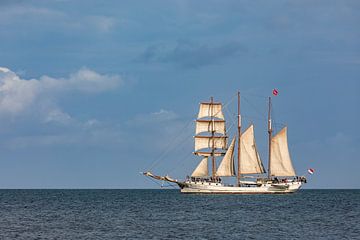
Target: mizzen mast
{"type": "Point", "coordinates": [270, 133]}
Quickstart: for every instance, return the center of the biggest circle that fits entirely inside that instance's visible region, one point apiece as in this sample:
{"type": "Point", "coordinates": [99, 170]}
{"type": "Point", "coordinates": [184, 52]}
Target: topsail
{"type": "Point", "coordinates": [218, 126]}
{"type": "Point", "coordinates": [211, 109]}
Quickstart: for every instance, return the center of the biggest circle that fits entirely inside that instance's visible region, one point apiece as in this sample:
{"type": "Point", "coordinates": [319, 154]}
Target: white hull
{"type": "Point", "coordinates": [219, 188]}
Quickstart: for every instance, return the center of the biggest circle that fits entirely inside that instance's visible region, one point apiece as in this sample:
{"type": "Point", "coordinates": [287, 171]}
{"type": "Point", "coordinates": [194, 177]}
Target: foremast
{"type": "Point", "coordinates": [210, 134]}
{"type": "Point", "coordinates": [210, 142]}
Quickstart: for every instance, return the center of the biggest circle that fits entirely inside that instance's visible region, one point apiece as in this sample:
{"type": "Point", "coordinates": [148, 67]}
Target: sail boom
{"type": "Point", "coordinates": [211, 103]}
{"type": "Point", "coordinates": [208, 154]}
{"type": "Point", "coordinates": [214, 120]}
{"type": "Point", "coordinates": [217, 137]}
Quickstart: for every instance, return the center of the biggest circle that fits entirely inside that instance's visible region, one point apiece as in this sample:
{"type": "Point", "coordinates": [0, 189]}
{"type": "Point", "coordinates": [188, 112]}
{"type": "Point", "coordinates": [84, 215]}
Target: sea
{"type": "Point", "coordinates": [168, 214]}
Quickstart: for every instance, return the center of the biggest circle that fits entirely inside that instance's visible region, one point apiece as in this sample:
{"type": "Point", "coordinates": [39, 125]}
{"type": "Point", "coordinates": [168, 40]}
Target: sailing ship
{"type": "Point", "coordinates": [211, 142]}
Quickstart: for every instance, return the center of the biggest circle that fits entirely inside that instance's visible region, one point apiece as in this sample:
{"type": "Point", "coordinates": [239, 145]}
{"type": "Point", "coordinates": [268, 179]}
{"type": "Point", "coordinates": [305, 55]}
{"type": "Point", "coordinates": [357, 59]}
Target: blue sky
{"type": "Point", "coordinates": [93, 92]}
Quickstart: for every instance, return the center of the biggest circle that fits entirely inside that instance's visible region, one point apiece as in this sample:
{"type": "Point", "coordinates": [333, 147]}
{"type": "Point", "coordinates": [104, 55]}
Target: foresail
{"type": "Point", "coordinates": [281, 164]}
{"type": "Point", "coordinates": [211, 110]}
{"type": "Point", "coordinates": [202, 169]}
{"type": "Point", "coordinates": [226, 167]}
{"type": "Point", "coordinates": [250, 159]}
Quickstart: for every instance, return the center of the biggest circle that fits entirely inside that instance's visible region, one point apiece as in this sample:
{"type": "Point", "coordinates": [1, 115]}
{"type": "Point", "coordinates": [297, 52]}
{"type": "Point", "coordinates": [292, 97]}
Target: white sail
{"type": "Point", "coordinates": [211, 110]}
{"type": "Point", "coordinates": [202, 142]}
{"type": "Point", "coordinates": [202, 169]}
{"type": "Point", "coordinates": [250, 159]}
{"type": "Point", "coordinates": [280, 164]}
{"type": "Point", "coordinates": [226, 167]}
{"type": "Point", "coordinates": [218, 126]}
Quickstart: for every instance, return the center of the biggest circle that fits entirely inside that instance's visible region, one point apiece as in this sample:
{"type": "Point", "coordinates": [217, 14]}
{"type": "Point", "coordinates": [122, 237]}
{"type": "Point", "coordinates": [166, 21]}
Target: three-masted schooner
{"type": "Point", "coordinates": [211, 142]}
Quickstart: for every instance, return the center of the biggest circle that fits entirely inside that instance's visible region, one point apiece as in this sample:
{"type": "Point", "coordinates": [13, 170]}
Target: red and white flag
{"type": "Point", "coordinates": [311, 171]}
{"type": "Point", "coordinates": [275, 92]}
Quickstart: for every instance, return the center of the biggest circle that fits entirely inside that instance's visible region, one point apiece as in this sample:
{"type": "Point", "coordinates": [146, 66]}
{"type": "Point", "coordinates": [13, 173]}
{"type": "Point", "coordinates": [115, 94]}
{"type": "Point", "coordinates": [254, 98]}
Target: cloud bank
{"type": "Point", "coordinates": [18, 96]}
{"type": "Point", "coordinates": [31, 115]}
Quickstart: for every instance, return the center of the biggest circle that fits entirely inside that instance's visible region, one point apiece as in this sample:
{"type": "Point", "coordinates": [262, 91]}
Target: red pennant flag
{"type": "Point", "coordinates": [275, 92]}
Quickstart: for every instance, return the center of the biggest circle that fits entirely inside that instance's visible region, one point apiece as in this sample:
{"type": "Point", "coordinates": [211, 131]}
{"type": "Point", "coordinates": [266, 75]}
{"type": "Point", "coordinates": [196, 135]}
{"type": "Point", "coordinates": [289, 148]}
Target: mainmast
{"type": "Point", "coordinates": [239, 148]}
{"type": "Point", "coordinates": [270, 132]}
{"type": "Point", "coordinates": [212, 138]}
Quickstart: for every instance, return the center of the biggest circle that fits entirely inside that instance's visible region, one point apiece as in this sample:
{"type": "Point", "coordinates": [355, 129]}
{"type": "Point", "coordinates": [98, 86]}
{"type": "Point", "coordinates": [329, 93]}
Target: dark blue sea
{"type": "Point", "coordinates": [167, 214]}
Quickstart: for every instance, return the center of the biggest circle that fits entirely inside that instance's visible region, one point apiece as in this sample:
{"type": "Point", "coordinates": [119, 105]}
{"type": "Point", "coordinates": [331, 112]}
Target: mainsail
{"type": "Point", "coordinates": [280, 164]}
{"type": "Point", "coordinates": [226, 167]}
{"type": "Point", "coordinates": [202, 169]}
{"type": "Point", "coordinates": [250, 159]}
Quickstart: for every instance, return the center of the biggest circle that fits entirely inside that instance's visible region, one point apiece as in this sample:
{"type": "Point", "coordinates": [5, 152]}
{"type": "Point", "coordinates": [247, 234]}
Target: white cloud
{"type": "Point", "coordinates": [90, 81]}
{"type": "Point", "coordinates": [91, 123]}
{"type": "Point", "coordinates": [29, 104]}
{"type": "Point", "coordinates": [163, 115]}
{"type": "Point", "coordinates": [84, 80]}
{"type": "Point", "coordinates": [5, 70]}
{"type": "Point", "coordinates": [56, 115]}
{"type": "Point", "coordinates": [102, 23]}
{"type": "Point", "coordinates": [17, 95]}
{"type": "Point", "coordinates": [155, 117]}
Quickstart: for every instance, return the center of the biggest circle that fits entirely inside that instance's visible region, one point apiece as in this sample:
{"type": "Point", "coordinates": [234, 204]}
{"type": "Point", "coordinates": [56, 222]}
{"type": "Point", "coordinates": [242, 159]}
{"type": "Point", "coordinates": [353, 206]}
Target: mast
{"type": "Point", "coordinates": [239, 135]}
{"type": "Point", "coordinates": [270, 132]}
{"type": "Point", "coordinates": [212, 139]}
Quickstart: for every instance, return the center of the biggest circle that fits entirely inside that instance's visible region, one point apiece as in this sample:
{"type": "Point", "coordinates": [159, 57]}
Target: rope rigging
{"type": "Point", "coordinates": [178, 143]}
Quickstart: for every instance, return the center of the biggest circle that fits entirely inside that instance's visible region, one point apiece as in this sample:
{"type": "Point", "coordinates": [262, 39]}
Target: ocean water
{"type": "Point", "coordinates": [167, 214]}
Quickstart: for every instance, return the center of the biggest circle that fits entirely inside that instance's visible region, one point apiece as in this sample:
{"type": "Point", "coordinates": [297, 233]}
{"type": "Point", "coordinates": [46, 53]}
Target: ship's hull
{"type": "Point", "coordinates": [218, 188]}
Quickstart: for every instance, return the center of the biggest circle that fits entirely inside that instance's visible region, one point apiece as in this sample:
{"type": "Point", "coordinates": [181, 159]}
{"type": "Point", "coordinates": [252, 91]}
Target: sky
{"type": "Point", "coordinates": [93, 92]}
